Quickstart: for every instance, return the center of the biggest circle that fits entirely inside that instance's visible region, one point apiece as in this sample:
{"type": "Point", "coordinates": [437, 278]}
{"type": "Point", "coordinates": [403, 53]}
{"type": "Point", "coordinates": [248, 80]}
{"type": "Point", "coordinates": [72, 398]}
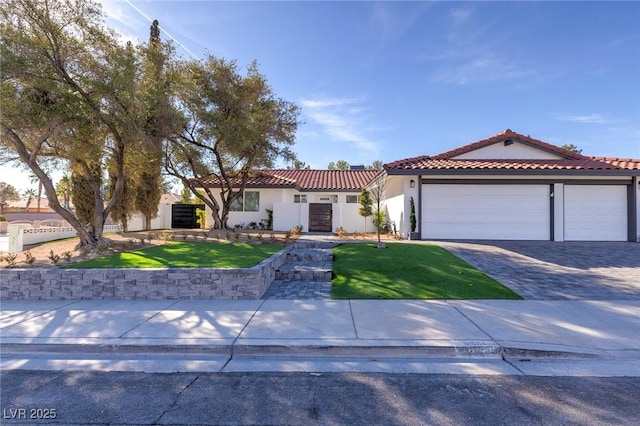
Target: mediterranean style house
{"type": "Point", "coordinates": [507, 187]}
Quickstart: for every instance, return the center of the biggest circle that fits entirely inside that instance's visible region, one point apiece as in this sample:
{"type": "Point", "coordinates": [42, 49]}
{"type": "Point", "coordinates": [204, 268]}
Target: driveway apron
{"type": "Point", "coordinates": [547, 270]}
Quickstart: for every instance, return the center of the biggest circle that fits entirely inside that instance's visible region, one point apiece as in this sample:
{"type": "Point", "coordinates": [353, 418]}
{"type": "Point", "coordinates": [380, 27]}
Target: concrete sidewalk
{"type": "Point", "coordinates": [478, 337]}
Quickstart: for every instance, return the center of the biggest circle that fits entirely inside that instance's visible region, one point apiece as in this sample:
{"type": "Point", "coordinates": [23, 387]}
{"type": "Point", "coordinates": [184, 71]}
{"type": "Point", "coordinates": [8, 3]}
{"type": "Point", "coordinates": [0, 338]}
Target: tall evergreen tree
{"type": "Point", "coordinates": [148, 189]}
{"type": "Point", "coordinates": [148, 196]}
{"type": "Point", "coordinates": [125, 205]}
{"type": "Point", "coordinates": [365, 209]}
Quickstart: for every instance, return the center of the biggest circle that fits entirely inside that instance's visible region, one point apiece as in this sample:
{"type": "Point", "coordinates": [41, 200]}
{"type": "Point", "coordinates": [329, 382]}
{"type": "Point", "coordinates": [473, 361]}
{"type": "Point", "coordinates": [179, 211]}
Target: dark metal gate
{"type": "Point", "coordinates": [320, 217]}
{"type": "Point", "coordinates": [183, 216]}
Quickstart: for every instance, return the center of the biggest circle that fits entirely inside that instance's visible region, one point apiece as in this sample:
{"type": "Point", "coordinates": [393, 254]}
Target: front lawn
{"type": "Point", "coordinates": [187, 255]}
{"type": "Point", "coordinates": [409, 271]}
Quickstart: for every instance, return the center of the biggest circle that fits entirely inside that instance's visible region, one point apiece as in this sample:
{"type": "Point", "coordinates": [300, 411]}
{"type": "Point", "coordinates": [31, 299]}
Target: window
{"type": "Point", "coordinates": [250, 202]}
{"type": "Point", "coordinates": [300, 198]}
{"type": "Point", "coordinates": [353, 199]}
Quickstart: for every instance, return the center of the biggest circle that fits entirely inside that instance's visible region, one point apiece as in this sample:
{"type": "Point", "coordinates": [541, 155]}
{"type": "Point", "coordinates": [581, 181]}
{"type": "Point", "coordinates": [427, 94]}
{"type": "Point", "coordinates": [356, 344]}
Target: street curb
{"type": "Point", "coordinates": [265, 351]}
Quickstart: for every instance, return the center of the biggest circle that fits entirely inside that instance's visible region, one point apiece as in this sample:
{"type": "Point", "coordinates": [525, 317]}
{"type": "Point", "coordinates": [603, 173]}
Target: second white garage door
{"type": "Point", "coordinates": [491, 212]}
{"type": "Point", "coordinates": [595, 212]}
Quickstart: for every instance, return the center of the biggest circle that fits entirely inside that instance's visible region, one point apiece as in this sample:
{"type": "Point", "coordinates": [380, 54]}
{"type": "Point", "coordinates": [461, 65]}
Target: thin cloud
{"type": "Point", "coordinates": [343, 120]}
{"type": "Point", "coordinates": [482, 69]}
{"type": "Point", "coordinates": [162, 29]}
{"type": "Point", "coordinates": [460, 15]}
{"type": "Point", "coordinates": [471, 51]}
{"type": "Point", "coordinates": [326, 103]}
{"type": "Point", "coordinates": [590, 118]}
{"type": "Point", "coordinates": [127, 21]}
{"type": "Point", "coordinates": [393, 20]}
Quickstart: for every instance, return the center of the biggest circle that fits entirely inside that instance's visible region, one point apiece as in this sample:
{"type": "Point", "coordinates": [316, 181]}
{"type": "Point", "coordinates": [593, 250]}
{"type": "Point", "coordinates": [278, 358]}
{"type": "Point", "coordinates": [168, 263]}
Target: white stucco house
{"type": "Point", "coordinates": [506, 187]}
{"type": "Point", "coordinates": [514, 187]}
{"type": "Point", "coordinates": [319, 200]}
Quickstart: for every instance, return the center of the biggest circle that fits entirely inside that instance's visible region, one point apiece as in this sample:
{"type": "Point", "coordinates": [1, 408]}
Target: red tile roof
{"type": "Point", "coordinates": [510, 134]}
{"type": "Point", "coordinates": [571, 160]}
{"type": "Point", "coordinates": [309, 180]}
{"type": "Point", "coordinates": [444, 164]}
{"type": "Point", "coordinates": [622, 163]}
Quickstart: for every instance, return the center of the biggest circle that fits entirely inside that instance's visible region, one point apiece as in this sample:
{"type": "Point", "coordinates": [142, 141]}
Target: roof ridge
{"type": "Point", "coordinates": [505, 135]}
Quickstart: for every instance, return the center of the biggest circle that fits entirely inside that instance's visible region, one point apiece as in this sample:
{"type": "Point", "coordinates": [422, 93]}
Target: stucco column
{"type": "Point", "coordinates": [558, 211]}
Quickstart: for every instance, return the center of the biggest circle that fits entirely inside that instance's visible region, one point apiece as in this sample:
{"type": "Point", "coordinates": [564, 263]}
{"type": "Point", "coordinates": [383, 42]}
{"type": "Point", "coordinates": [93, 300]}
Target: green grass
{"type": "Point", "coordinates": [187, 255]}
{"type": "Point", "coordinates": [409, 271]}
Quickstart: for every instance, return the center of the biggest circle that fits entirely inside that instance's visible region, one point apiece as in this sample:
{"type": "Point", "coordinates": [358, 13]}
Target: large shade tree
{"type": "Point", "coordinates": [232, 123]}
{"type": "Point", "coordinates": [71, 94]}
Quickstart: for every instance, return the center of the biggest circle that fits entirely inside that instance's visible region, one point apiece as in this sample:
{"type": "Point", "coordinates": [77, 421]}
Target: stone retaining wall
{"type": "Point", "coordinates": [140, 284]}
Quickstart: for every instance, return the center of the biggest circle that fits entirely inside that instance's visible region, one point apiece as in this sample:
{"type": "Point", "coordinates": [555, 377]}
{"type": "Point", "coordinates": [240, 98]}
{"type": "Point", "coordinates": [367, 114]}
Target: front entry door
{"type": "Point", "coordinates": [320, 217]}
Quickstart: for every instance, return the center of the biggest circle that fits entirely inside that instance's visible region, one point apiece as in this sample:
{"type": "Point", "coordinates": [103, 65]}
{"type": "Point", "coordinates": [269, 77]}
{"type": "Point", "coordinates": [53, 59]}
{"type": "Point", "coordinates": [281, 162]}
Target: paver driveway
{"type": "Point", "coordinates": [547, 270]}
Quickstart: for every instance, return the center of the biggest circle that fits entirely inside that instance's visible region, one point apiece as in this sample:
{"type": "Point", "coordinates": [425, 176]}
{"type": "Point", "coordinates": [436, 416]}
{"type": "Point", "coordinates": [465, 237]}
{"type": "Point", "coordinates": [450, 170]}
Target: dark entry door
{"type": "Point", "coordinates": [183, 216]}
{"type": "Point", "coordinates": [320, 218]}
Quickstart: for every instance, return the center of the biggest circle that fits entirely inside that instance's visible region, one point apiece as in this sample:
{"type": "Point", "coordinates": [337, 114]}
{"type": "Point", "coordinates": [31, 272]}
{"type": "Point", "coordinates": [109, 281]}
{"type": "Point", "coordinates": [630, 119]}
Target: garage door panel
{"type": "Point", "coordinates": [595, 212]}
{"type": "Point", "coordinates": [511, 212]}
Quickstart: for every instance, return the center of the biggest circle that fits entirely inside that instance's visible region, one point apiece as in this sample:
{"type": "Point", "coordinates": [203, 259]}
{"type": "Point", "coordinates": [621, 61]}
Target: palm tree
{"type": "Point", "coordinates": [63, 189]}
{"type": "Point", "coordinates": [30, 194]}
{"type": "Point", "coordinates": [35, 179]}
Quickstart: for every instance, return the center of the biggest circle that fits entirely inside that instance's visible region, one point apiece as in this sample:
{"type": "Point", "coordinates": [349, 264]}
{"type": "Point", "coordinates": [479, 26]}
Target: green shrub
{"type": "Point", "coordinates": [269, 220]}
{"type": "Point", "coordinates": [202, 218]}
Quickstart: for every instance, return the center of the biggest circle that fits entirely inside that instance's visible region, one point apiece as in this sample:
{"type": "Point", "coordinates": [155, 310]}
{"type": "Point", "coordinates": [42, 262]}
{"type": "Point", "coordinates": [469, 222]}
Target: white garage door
{"type": "Point", "coordinates": [595, 212]}
{"type": "Point", "coordinates": [491, 212]}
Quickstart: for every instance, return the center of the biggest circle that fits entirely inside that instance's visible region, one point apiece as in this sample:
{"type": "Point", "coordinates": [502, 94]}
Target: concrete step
{"type": "Point", "coordinates": [310, 255]}
{"type": "Point", "coordinates": [308, 271]}
{"type": "Point", "coordinates": [312, 244]}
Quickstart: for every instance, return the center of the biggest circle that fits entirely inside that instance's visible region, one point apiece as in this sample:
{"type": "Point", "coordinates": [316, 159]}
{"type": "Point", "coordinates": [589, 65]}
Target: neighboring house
{"type": "Point", "coordinates": [319, 200]}
{"type": "Point", "coordinates": [513, 187]}
{"type": "Point", "coordinates": [21, 205]}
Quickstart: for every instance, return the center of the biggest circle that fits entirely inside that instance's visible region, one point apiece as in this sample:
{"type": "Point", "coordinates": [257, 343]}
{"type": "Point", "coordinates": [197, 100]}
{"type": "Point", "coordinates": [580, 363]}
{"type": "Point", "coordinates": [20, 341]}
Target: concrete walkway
{"type": "Point", "coordinates": [466, 337]}
{"type": "Point", "coordinates": [307, 273]}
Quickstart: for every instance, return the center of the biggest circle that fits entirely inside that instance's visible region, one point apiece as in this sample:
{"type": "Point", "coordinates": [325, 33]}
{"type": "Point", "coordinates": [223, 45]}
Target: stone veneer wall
{"type": "Point", "coordinates": [140, 284]}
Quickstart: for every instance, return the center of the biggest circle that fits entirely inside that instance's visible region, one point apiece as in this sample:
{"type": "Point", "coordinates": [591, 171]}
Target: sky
{"type": "Point", "coordinates": [391, 80]}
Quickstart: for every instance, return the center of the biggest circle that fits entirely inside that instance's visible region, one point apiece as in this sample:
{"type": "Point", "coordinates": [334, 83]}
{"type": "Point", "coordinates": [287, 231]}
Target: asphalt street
{"type": "Point", "coordinates": [117, 398]}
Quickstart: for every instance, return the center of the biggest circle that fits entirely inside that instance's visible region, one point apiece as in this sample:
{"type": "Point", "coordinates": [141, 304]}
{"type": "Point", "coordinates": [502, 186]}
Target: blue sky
{"type": "Point", "coordinates": [390, 80]}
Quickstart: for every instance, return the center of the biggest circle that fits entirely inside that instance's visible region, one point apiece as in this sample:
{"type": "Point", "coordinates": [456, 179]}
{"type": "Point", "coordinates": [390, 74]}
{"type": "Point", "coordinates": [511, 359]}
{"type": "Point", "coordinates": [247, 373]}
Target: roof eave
{"type": "Point", "coordinates": [527, 172]}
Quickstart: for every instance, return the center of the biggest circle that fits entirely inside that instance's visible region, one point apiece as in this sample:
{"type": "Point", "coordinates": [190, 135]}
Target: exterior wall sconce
{"type": "Point", "coordinates": [412, 183]}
